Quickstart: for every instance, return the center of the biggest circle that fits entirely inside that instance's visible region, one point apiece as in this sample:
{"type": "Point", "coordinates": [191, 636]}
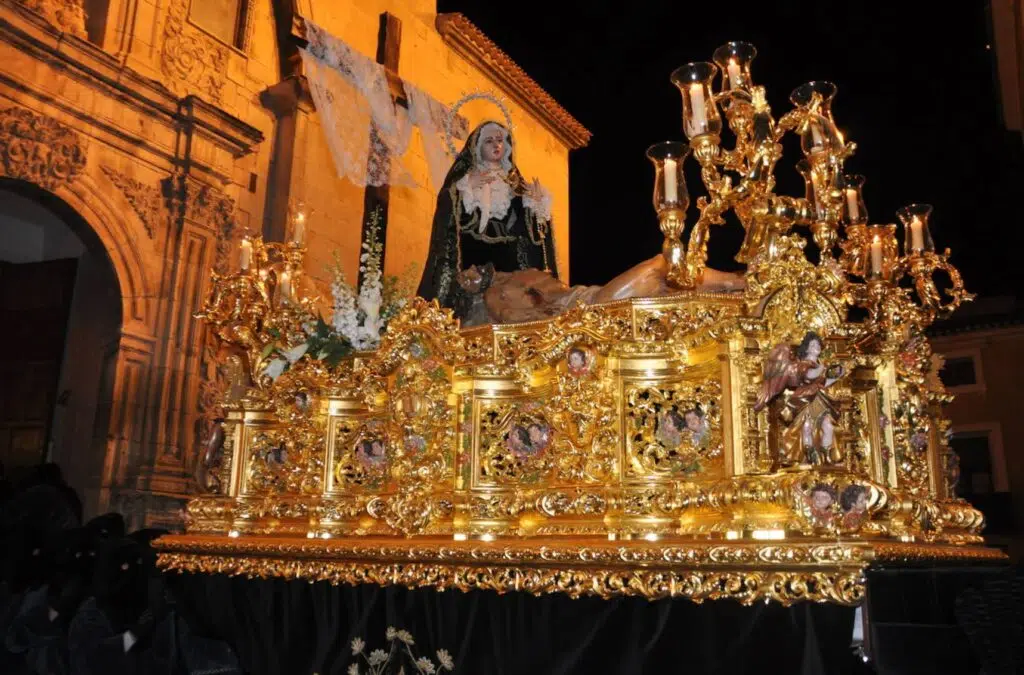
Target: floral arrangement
{"type": "Point", "coordinates": [358, 316]}
{"type": "Point", "coordinates": [400, 648]}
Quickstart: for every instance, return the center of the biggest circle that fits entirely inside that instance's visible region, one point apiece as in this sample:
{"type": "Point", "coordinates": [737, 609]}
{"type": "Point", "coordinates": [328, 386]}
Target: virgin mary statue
{"type": "Point", "coordinates": [492, 254]}
{"type": "Point", "coordinates": [486, 213]}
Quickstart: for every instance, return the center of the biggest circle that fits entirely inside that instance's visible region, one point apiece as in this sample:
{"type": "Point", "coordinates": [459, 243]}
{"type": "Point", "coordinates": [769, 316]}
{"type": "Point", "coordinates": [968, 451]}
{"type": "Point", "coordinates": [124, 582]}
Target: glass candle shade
{"type": "Point", "coordinates": [700, 113]}
{"type": "Point", "coordinates": [855, 212]}
{"type": "Point", "coordinates": [917, 238]}
{"type": "Point", "coordinates": [818, 135]}
{"type": "Point", "coordinates": [299, 217]}
{"type": "Point", "coordinates": [245, 254]}
{"type": "Point", "coordinates": [734, 59]}
{"type": "Point", "coordinates": [881, 251]}
{"type": "Point", "coordinates": [818, 211]}
{"type": "Point", "coordinates": [284, 291]}
{"type": "Point", "coordinates": [803, 96]}
{"type": "Point", "coordinates": [669, 185]}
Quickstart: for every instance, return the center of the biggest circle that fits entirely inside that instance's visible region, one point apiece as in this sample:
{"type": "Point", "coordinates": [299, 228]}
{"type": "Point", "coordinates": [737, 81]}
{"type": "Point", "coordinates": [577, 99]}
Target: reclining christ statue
{"type": "Point", "coordinates": [492, 254]}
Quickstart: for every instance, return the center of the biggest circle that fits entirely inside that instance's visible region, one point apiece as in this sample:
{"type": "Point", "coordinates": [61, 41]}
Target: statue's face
{"type": "Point", "coordinates": [492, 144]}
{"type": "Point", "coordinates": [821, 499]}
{"type": "Point", "coordinates": [813, 350]}
{"type": "Point", "coordinates": [471, 280]}
{"type": "Point", "coordinates": [670, 424]}
{"type": "Point", "coordinates": [692, 421]}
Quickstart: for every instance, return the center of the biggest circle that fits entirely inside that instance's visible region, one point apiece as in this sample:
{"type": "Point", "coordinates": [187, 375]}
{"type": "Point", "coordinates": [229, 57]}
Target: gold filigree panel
{"type": "Point", "coordinates": [572, 438]}
{"type": "Point", "coordinates": [674, 429]}
{"type": "Point", "coordinates": [361, 455]}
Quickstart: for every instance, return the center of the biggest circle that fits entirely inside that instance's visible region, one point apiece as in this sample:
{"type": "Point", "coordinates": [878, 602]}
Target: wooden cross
{"type": "Point", "coordinates": [389, 40]}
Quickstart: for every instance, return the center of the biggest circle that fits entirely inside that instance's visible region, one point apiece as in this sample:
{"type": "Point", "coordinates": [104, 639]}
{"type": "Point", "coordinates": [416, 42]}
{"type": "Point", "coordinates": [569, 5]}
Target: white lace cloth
{"type": "Point", "coordinates": [493, 199]}
{"type": "Point", "coordinates": [429, 114]}
{"type": "Point", "coordinates": [350, 91]}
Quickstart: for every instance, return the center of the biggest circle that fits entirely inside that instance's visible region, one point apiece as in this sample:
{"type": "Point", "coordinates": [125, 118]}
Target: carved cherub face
{"type": "Point", "coordinates": [694, 422]}
{"type": "Point", "coordinates": [492, 144]}
{"type": "Point", "coordinates": [538, 436]}
{"type": "Point", "coordinates": [577, 359]}
{"type": "Point", "coordinates": [821, 499]}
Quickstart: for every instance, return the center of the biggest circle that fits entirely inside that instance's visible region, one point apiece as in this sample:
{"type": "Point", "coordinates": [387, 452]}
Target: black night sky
{"type": "Point", "coordinates": [917, 92]}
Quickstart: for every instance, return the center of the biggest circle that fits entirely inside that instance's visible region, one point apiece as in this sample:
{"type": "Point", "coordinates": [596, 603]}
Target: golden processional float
{"type": "Point", "coordinates": [761, 445]}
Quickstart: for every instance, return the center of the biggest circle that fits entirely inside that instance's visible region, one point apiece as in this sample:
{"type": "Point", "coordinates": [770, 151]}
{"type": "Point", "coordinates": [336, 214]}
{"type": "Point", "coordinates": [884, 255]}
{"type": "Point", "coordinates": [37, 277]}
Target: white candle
{"type": "Point", "coordinates": [284, 286]}
{"type": "Point", "coordinates": [299, 230]}
{"type": "Point", "coordinates": [246, 255]}
{"type": "Point", "coordinates": [671, 184]}
{"type": "Point", "coordinates": [876, 256]}
{"type": "Point", "coordinates": [698, 110]}
{"type": "Point", "coordinates": [851, 203]}
{"type": "Point", "coordinates": [816, 138]}
{"type": "Point", "coordinates": [734, 74]}
{"type": "Point", "coordinates": [916, 234]}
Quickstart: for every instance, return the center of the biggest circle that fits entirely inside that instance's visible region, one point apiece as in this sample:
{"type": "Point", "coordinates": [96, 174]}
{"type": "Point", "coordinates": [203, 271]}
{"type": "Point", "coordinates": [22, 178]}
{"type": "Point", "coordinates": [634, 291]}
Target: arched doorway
{"type": "Point", "coordinates": [60, 326]}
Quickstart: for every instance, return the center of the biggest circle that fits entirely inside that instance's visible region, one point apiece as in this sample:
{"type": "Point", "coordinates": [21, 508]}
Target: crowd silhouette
{"type": "Point", "coordinates": [83, 598]}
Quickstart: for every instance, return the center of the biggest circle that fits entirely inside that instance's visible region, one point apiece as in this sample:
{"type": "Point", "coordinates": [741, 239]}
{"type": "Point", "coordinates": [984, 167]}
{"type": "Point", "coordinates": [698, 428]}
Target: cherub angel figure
{"type": "Point", "coordinates": [806, 415]}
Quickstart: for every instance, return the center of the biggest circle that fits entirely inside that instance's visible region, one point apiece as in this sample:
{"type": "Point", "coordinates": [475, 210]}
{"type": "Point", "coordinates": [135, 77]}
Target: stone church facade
{"type": "Point", "coordinates": [160, 131]}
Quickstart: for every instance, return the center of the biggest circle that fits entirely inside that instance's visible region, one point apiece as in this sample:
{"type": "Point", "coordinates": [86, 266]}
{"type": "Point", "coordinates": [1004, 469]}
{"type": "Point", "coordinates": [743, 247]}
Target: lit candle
{"type": "Point", "coordinates": [299, 229]}
{"type": "Point", "coordinates": [284, 285]}
{"type": "Point", "coordinates": [734, 74]}
{"type": "Point", "coordinates": [246, 255]}
{"type": "Point", "coordinates": [698, 110]}
{"type": "Point", "coordinates": [916, 234]}
{"type": "Point", "coordinates": [851, 203]}
{"type": "Point", "coordinates": [876, 256]}
{"type": "Point", "coordinates": [671, 184]}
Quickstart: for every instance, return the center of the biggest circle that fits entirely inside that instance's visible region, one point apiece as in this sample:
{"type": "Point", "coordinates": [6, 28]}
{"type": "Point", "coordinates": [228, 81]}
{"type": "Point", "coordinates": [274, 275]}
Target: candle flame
{"type": "Point", "coordinates": [877, 240]}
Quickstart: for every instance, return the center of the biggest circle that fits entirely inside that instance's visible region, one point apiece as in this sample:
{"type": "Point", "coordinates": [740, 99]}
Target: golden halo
{"type": "Point", "coordinates": [453, 112]}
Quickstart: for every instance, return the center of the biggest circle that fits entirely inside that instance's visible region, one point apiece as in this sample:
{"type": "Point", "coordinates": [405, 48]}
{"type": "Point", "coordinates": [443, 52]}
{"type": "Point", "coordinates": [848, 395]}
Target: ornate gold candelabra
{"type": "Point", "coordinates": [754, 445]}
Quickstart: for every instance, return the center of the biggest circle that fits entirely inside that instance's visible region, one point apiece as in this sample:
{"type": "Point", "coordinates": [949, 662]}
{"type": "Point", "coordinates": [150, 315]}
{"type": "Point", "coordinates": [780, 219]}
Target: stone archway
{"type": "Point", "coordinates": [64, 308]}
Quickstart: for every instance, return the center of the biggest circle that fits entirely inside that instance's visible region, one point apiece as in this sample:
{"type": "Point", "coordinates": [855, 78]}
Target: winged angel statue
{"type": "Point", "coordinates": [806, 413]}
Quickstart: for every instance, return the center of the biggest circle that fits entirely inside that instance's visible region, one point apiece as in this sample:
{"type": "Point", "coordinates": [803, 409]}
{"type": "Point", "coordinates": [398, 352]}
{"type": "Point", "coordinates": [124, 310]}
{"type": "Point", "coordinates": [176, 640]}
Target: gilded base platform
{"type": "Point", "coordinates": [784, 571]}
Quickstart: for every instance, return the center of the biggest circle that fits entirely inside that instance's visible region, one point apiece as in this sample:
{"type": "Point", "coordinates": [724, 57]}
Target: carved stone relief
{"type": "Point", "coordinates": [39, 149]}
{"type": "Point", "coordinates": [190, 59]}
{"type": "Point", "coordinates": [65, 15]}
{"type": "Point", "coordinates": [147, 201]}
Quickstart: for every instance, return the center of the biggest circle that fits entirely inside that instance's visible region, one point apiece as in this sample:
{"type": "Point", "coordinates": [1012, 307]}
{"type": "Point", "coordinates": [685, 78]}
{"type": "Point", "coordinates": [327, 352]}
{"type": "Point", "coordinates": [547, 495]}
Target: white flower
{"type": "Point", "coordinates": [445, 659]}
{"type": "Point", "coordinates": [275, 368]}
{"type": "Point", "coordinates": [391, 633]}
{"type": "Point", "coordinates": [353, 669]}
{"type": "Point", "coordinates": [378, 656]}
{"type": "Point", "coordinates": [406, 637]}
{"type": "Point", "coordinates": [357, 645]}
{"type": "Point", "coordinates": [425, 665]}
{"type": "Point", "coordinates": [296, 353]}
